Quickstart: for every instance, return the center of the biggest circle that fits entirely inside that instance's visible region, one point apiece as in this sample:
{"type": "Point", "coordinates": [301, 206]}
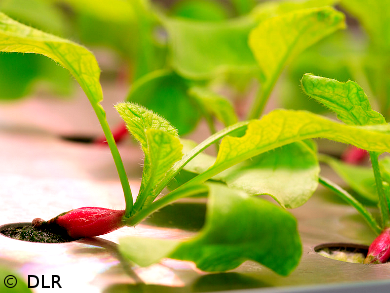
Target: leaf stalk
{"type": "Point", "coordinates": [383, 207]}
{"type": "Point", "coordinates": [352, 201]}
{"type": "Point", "coordinates": [164, 201]}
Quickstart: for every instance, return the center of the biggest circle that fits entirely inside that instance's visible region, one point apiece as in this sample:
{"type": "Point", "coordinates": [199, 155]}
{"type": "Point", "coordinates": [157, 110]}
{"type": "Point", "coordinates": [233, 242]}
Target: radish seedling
{"type": "Point", "coordinates": [238, 225]}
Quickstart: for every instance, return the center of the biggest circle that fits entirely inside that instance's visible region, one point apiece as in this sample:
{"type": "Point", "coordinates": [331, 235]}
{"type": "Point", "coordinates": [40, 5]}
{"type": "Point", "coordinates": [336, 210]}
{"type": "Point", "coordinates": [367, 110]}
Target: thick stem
{"type": "Point", "coordinates": [383, 207]}
{"type": "Point", "coordinates": [164, 201]}
{"type": "Point", "coordinates": [118, 162]}
{"type": "Point", "coordinates": [352, 201]}
{"type": "Point", "coordinates": [94, 98]}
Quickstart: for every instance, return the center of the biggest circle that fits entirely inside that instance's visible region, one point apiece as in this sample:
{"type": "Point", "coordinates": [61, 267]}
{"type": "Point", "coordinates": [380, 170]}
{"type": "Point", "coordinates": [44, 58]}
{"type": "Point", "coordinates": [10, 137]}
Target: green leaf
{"type": "Point", "coordinates": [264, 233]}
{"type": "Point", "coordinates": [282, 127]}
{"type": "Point", "coordinates": [166, 93]}
{"type": "Point", "coordinates": [295, 165]}
{"type": "Point", "coordinates": [116, 10]}
{"type": "Point", "coordinates": [215, 48]}
{"type": "Point", "coordinates": [243, 6]}
{"type": "Point", "coordinates": [214, 105]}
{"type": "Point", "coordinates": [374, 16]}
{"type": "Point", "coordinates": [347, 99]}
{"type": "Point", "coordinates": [341, 56]}
{"type": "Point", "coordinates": [39, 14]}
{"type": "Point", "coordinates": [360, 179]}
{"type": "Point", "coordinates": [204, 10]}
{"type": "Point", "coordinates": [277, 40]}
{"type": "Point", "coordinates": [270, 9]}
{"type": "Point", "coordinates": [163, 151]}
{"type": "Point", "coordinates": [139, 119]}
{"type": "Point", "coordinates": [24, 72]}
{"type": "Point", "coordinates": [16, 37]}
{"type": "Point", "coordinates": [160, 143]}
{"type": "Point", "coordinates": [81, 63]}
{"type": "Point", "coordinates": [289, 174]}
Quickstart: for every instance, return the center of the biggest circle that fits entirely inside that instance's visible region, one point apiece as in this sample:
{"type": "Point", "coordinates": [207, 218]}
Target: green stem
{"type": "Point", "coordinates": [94, 100]}
{"type": "Point", "coordinates": [195, 151]}
{"type": "Point", "coordinates": [386, 188]}
{"type": "Point", "coordinates": [164, 201]}
{"type": "Point", "coordinates": [383, 207]}
{"type": "Point", "coordinates": [352, 201]}
{"type": "Point", "coordinates": [262, 98]}
{"type": "Point", "coordinates": [213, 130]}
{"type": "Point", "coordinates": [117, 160]}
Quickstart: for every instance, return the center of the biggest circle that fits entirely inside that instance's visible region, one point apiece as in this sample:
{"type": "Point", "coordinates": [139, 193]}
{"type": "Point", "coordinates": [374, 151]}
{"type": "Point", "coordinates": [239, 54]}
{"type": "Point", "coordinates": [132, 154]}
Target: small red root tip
{"type": "Point", "coordinates": [119, 133]}
{"type": "Point", "coordinates": [379, 250]}
{"type": "Point", "coordinates": [354, 156]}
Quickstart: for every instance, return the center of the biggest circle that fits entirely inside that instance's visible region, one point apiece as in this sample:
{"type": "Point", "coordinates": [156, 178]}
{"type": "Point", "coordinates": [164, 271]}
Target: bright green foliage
{"type": "Point", "coordinates": [40, 14]}
{"type": "Point", "coordinates": [243, 6]}
{"type": "Point", "coordinates": [203, 10]}
{"type": "Point", "coordinates": [201, 50]}
{"type": "Point", "coordinates": [270, 9]}
{"type": "Point", "coordinates": [117, 10]}
{"type": "Point", "coordinates": [341, 56]}
{"type": "Point", "coordinates": [149, 54]}
{"type": "Point", "coordinates": [15, 37]}
{"type": "Point", "coordinates": [126, 26]}
{"type": "Point", "coordinates": [214, 105]}
{"type": "Point", "coordinates": [347, 99]}
{"type": "Point", "coordinates": [374, 16]}
{"type": "Point", "coordinates": [163, 151]}
{"type": "Point", "coordinates": [160, 144]}
{"type": "Point", "coordinates": [277, 40]}
{"type": "Point", "coordinates": [23, 72]}
{"type": "Point", "coordinates": [289, 174]}
{"type": "Point", "coordinates": [351, 105]}
{"type": "Point", "coordinates": [281, 127]}
{"type": "Point", "coordinates": [360, 179]}
{"type": "Point", "coordinates": [238, 228]}
{"type": "Point", "coordinates": [166, 93]}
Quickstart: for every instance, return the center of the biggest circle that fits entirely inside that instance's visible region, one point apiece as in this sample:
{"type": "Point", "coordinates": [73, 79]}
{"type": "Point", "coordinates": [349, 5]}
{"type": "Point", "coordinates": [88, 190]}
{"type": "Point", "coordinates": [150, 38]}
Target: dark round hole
{"type": "Point", "coordinates": [78, 139]}
{"type": "Point", "coordinates": [347, 252]}
{"type": "Point", "coordinates": [26, 232]}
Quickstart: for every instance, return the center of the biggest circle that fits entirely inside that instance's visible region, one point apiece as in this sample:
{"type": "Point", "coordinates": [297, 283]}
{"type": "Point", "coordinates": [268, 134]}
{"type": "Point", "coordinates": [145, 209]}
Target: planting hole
{"type": "Point", "coordinates": [347, 252]}
{"type": "Point", "coordinates": [78, 139]}
{"type": "Point", "coordinates": [26, 232]}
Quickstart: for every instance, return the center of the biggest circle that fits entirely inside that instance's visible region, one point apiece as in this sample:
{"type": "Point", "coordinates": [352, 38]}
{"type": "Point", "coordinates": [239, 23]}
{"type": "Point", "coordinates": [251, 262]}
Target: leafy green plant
{"type": "Point", "coordinates": [351, 104]}
{"type": "Point", "coordinates": [224, 242]}
{"type": "Point", "coordinates": [25, 73]}
{"type": "Point", "coordinates": [360, 53]}
{"type": "Point", "coordinates": [242, 55]}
